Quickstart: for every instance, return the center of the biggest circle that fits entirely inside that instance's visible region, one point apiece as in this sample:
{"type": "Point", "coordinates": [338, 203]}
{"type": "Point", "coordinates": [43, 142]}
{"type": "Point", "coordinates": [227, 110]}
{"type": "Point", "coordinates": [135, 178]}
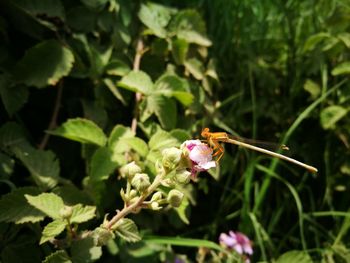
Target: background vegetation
{"type": "Point", "coordinates": [121, 80]}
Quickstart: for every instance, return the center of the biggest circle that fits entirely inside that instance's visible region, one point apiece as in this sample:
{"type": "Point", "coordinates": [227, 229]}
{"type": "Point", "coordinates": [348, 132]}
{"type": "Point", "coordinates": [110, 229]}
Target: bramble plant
{"type": "Point", "coordinates": [102, 103]}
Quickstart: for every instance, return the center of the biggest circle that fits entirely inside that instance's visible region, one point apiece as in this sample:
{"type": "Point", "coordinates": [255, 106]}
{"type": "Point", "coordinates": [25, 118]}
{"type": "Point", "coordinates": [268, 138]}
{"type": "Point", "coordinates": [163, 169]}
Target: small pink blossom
{"type": "Point", "coordinates": [200, 155]}
{"type": "Point", "coordinates": [238, 242]}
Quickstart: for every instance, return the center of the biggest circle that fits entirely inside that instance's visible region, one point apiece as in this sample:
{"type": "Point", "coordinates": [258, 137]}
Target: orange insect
{"type": "Point", "coordinates": [214, 138]}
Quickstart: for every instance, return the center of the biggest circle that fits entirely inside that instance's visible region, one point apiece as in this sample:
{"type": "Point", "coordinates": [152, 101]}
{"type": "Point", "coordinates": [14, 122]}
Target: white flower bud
{"type": "Point", "coordinates": [175, 198]}
{"type": "Point", "coordinates": [130, 170]}
{"type": "Point", "coordinates": [66, 212]}
{"type": "Point", "coordinates": [171, 158]}
{"type": "Point", "coordinates": [140, 182]}
{"type": "Point", "coordinates": [182, 176]}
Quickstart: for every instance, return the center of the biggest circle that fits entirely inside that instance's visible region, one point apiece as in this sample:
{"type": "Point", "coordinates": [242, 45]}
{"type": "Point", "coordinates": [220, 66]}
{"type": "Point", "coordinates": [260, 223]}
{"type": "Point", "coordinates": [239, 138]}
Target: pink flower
{"type": "Point", "coordinates": [237, 241]}
{"type": "Point", "coordinates": [200, 155]}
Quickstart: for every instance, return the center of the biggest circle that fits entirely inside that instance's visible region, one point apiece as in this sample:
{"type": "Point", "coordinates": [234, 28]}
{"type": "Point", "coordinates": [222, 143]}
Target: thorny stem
{"type": "Point", "coordinates": [128, 209]}
{"type": "Point", "coordinates": [53, 121]}
{"type": "Point", "coordinates": [136, 67]}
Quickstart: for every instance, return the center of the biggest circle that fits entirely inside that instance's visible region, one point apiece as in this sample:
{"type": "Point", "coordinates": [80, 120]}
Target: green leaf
{"type": "Point", "coordinates": [164, 108]}
{"type": "Point", "coordinates": [52, 229]}
{"type": "Point", "coordinates": [190, 26]}
{"type": "Point", "coordinates": [195, 67]}
{"type": "Point", "coordinates": [161, 140]}
{"type": "Point", "coordinates": [6, 165]}
{"type": "Point", "coordinates": [13, 97]}
{"type": "Point", "coordinates": [51, 8]}
{"type": "Point", "coordinates": [294, 256]}
{"type": "Point", "coordinates": [11, 134]}
{"type": "Point", "coordinates": [102, 164]}
{"type": "Point", "coordinates": [156, 17]}
{"type": "Point", "coordinates": [127, 230]}
{"type": "Point", "coordinates": [17, 208]}
{"type": "Point", "coordinates": [179, 50]}
{"type": "Point", "coordinates": [330, 115]}
{"type": "Point", "coordinates": [48, 203]}
{"type": "Point", "coordinates": [81, 130]}
{"type": "Point", "coordinates": [181, 211]}
{"type": "Point", "coordinates": [71, 195]}
{"type": "Point", "coordinates": [343, 68]}
{"type": "Point", "coordinates": [313, 88]}
{"type": "Point", "coordinates": [312, 41]}
{"type": "Point", "coordinates": [117, 143]}
{"type": "Point", "coordinates": [137, 81]}
{"type": "Point", "coordinates": [95, 4]}
{"type": "Point", "coordinates": [117, 67]}
{"type": "Point", "coordinates": [82, 19]}
{"type": "Point", "coordinates": [43, 165]}
{"type": "Point", "coordinates": [138, 145]}
{"type": "Point", "coordinates": [82, 213]}
{"type": "Point", "coordinates": [183, 242]}
{"type": "Point", "coordinates": [44, 64]}
{"type": "Point", "coordinates": [59, 256]}
{"type": "Point", "coordinates": [113, 88]}
{"type": "Point", "coordinates": [345, 38]}
{"type": "Point", "coordinates": [84, 250]}
{"type": "Point", "coordinates": [174, 86]}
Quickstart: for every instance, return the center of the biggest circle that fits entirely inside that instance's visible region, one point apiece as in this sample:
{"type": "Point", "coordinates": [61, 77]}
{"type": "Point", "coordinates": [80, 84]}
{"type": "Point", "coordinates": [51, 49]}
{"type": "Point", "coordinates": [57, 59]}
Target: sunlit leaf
{"type": "Point", "coordinates": [82, 213]}
{"type": "Point", "coordinates": [155, 17]}
{"type": "Point", "coordinates": [137, 81]}
{"type": "Point", "coordinates": [312, 41]}
{"type": "Point", "coordinates": [43, 165]}
{"type": "Point", "coordinates": [294, 257]}
{"type": "Point", "coordinates": [48, 203]}
{"type": "Point", "coordinates": [18, 210]}
{"type": "Point", "coordinates": [173, 86]}
{"type": "Point", "coordinates": [127, 230]}
{"type": "Point", "coordinates": [343, 68]}
{"type": "Point", "coordinates": [164, 108]}
{"type": "Point", "coordinates": [59, 256]}
{"type": "Point", "coordinates": [102, 164]}
{"type": "Point", "coordinates": [313, 88]}
{"type": "Point", "coordinates": [190, 26]}
{"type": "Point", "coordinates": [44, 64]}
{"type": "Point", "coordinates": [85, 250]}
{"type": "Point", "coordinates": [81, 130]}
{"type": "Point", "coordinates": [179, 49]}
{"type": "Point", "coordinates": [138, 145]}
{"type": "Point", "coordinates": [52, 229]}
{"type": "Point", "coordinates": [330, 115]}
{"type": "Point", "coordinates": [195, 67]}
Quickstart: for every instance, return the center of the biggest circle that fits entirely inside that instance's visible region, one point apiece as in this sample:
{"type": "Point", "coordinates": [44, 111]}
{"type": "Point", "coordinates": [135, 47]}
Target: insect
{"type": "Point", "coordinates": [214, 138]}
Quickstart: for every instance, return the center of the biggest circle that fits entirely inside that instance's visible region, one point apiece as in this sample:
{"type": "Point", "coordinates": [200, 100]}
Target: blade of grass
{"type": "Point", "coordinates": [184, 242]}
{"type": "Point", "coordinates": [266, 183]}
{"type": "Point", "coordinates": [296, 199]}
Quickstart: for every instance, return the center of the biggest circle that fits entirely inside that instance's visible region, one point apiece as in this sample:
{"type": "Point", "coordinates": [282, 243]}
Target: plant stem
{"type": "Point", "coordinates": [128, 209]}
{"type": "Point", "coordinates": [138, 95]}
{"type": "Point", "coordinates": [53, 121]}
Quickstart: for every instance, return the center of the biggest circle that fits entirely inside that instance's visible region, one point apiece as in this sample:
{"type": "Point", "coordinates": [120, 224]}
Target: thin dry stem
{"type": "Point", "coordinates": [53, 121]}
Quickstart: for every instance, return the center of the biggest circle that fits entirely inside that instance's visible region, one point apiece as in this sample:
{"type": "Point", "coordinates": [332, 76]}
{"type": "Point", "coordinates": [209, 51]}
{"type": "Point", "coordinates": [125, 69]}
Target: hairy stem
{"type": "Point", "coordinates": [53, 121]}
{"type": "Point", "coordinates": [138, 95]}
{"type": "Point", "coordinates": [128, 209]}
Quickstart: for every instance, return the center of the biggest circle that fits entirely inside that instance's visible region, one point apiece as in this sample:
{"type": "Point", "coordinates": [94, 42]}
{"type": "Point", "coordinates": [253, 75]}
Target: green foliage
{"type": "Point", "coordinates": [129, 79]}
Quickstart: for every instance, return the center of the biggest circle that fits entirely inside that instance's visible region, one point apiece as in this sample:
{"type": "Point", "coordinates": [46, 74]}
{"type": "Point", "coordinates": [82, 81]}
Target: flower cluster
{"type": "Point", "coordinates": [200, 155]}
{"type": "Point", "coordinates": [238, 242]}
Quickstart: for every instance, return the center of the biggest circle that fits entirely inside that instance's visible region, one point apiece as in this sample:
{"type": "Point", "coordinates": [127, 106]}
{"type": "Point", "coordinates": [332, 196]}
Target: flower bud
{"type": "Point", "coordinates": [102, 236]}
{"type": "Point", "coordinates": [175, 198]}
{"type": "Point", "coordinates": [130, 170]}
{"type": "Point", "coordinates": [171, 157]}
{"type": "Point", "coordinates": [182, 176]}
{"type": "Point", "coordinates": [140, 182]}
{"type": "Point", "coordinates": [157, 196]}
{"type": "Point", "coordinates": [155, 206]}
{"type": "Point", "coordinates": [66, 212]}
